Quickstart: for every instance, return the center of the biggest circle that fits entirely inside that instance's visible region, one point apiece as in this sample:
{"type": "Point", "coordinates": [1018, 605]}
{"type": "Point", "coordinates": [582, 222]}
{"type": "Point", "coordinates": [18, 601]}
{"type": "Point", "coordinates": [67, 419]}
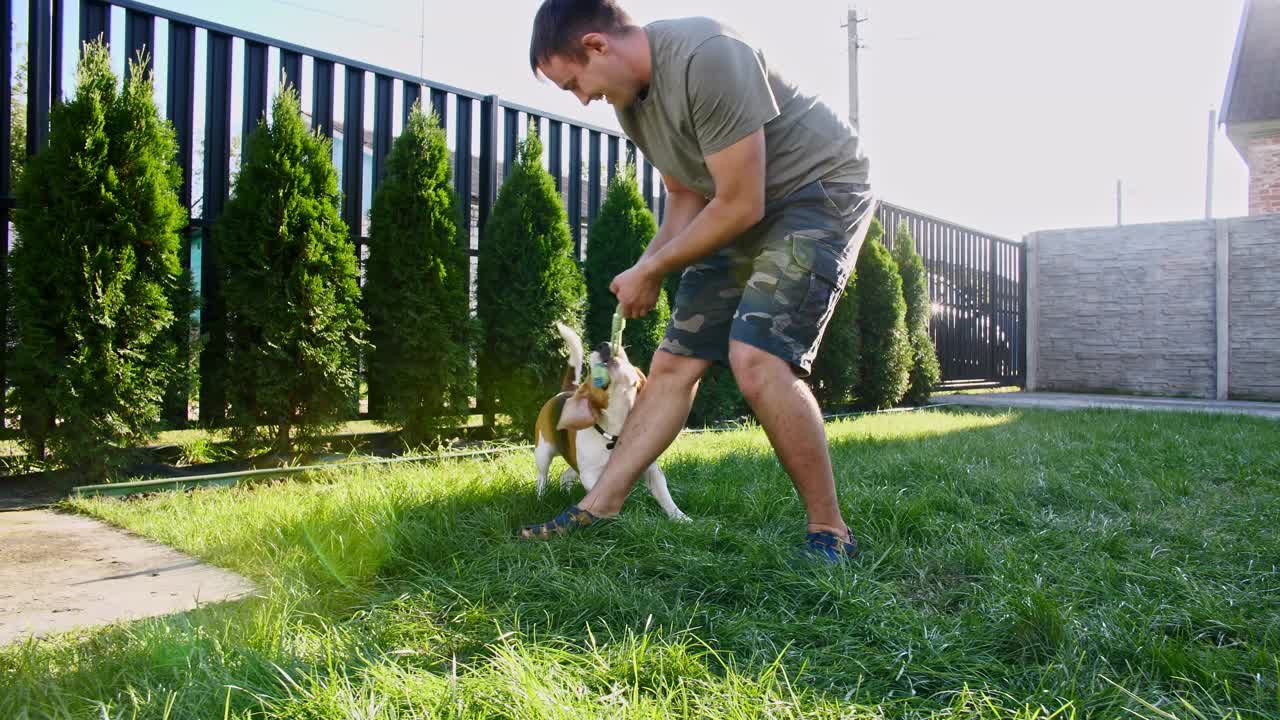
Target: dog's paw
{"type": "Point", "coordinates": [681, 518]}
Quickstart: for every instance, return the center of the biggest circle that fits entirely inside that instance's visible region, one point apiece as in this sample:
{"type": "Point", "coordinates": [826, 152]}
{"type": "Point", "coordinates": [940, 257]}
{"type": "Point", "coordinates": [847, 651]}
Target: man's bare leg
{"type": "Point", "coordinates": [653, 424]}
{"type": "Point", "coordinates": [791, 418]}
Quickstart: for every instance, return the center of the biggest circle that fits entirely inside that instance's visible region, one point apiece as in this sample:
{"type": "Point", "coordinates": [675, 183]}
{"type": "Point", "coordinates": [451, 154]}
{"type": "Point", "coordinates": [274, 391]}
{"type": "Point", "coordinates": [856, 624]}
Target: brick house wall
{"type": "Point", "coordinates": [1262, 154]}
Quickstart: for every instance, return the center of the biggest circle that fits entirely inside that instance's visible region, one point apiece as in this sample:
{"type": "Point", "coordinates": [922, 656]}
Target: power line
{"type": "Point", "coordinates": [347, 18]}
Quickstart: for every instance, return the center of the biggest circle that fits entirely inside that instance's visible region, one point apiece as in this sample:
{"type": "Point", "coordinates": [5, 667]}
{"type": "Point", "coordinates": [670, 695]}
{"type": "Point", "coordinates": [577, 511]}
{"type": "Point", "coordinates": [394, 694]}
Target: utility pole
{"type": "Point", "coordinates": [1208, 176]}
{"type": "Point", "coordinates": [854, 45]}
{"type": "Point", "coordinates": [1119, 203]}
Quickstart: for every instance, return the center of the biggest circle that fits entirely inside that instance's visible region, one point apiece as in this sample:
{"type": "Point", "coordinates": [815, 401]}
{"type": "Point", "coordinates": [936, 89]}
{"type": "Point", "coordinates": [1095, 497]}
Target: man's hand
{"type": "Point", "coordinates": [637, 290]}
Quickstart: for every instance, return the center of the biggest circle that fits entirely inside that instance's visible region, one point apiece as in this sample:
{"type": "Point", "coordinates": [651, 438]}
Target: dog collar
{"type": "Point", "coordinates": [612, 439]}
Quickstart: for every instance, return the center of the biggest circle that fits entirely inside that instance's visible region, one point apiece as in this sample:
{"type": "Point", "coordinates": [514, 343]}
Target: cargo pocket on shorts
{"type": "Point", "coordinates": [818, 255]}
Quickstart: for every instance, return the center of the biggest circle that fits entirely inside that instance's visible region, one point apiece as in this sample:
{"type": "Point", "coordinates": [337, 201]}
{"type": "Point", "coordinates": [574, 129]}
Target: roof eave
{"type": "Point", "coordinates": [1235, 63]}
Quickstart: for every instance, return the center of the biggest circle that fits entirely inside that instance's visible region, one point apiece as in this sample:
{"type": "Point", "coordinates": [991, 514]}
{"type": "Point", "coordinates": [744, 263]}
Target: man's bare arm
{"type": "Point", "coordinates": [683, 205]}
{"type": "Point", "coordinates": [739, 174]}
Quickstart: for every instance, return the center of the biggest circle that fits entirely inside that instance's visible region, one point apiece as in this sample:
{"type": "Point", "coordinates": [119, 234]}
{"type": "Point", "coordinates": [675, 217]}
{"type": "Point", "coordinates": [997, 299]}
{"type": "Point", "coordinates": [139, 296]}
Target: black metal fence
{"type": "Point", "coordinates": [975, 278]}
{"type": "Point", "coordinates": [977, 285]}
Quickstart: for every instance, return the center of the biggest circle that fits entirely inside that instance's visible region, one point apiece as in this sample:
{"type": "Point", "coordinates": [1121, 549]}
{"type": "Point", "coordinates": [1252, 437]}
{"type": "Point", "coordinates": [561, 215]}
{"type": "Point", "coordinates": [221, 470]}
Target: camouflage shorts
{"type": "Point", "coordinates": [775, 287]}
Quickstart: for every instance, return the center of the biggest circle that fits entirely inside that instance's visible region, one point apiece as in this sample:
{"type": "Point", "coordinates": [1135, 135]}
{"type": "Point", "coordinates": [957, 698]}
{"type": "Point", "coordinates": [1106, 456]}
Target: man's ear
{"type": "Point", "coordinates": [595, 43]}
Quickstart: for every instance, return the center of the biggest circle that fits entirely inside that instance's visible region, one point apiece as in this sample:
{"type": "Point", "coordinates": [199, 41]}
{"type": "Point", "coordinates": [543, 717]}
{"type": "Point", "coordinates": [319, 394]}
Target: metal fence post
{"type": "Point", "coordinates": [992, 371]}
{"type": "Point", "coordinates": [487, 194]}
{"type": "Point", "coordinates": [140, 39]}
{"type": "Point", "coordinates": [6, 191]}
{"type": "Point", "coordinates": [95, 21]}
{"type": "Point", "coordinates": [488, 157]}
{"type": "Point", "coordinates": [1024, 319]}
{"type": "Point", "coordinates": [39, 74]}
{"type": "Point", "coordinates": [217, 178]}
{"type": "Point", "coordinates": [180, 110]}
{"type": "Point", "coordinates": [510, 141]}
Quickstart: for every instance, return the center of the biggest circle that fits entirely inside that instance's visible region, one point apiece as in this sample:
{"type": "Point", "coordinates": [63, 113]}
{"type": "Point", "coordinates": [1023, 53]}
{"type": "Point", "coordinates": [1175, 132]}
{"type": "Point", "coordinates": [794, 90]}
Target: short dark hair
{"type": "Point", "coordinates": [560, 24]}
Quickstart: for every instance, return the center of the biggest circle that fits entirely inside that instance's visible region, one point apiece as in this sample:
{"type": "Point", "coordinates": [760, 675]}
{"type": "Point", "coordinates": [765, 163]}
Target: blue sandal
{"type": "Point", "coordinates": [827, 547]}
{"type": "Point", "coordinates": [574, 518]}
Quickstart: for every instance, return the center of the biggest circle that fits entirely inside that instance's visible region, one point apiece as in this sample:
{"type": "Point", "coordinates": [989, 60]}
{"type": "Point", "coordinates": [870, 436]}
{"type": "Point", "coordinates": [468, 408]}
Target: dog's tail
{"type": "Point", "coordinates": [576, 354]}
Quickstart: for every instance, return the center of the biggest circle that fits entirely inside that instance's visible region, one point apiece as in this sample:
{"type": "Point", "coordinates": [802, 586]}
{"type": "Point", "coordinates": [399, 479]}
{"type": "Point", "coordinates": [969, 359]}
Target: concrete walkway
{"type": "Point", "coordinates": [1071, 401]}
{"type": "Point", "coordinates": [59, 572]}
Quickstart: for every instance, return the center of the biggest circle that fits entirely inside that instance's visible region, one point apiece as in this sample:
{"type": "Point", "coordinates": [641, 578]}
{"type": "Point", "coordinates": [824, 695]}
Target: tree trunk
{"type": "Point", "coordinates": [281, 444]}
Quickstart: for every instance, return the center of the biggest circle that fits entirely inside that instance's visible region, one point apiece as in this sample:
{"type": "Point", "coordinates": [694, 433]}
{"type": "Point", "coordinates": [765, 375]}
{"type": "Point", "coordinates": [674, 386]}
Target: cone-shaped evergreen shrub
{"type": "Point", "coordinates": [96, 278]}
{"type": "Point", "coordinates": [886, 348]}
{"type": "Point", "coordinates": [618, 237]}
{"type": "Point", "coordinates": [838, 364]}
{"type": "Point", "coordinates": [293, 302]}
{"type": "Point", "coordinates": [527, 280]}
{"type": "Point", "coordinates": [415, 294]}
{"type": "Point", "coordinates": [925, 372]}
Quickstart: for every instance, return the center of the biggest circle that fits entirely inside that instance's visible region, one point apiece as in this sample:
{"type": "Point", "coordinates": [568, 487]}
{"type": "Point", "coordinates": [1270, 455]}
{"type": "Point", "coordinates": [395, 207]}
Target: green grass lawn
{"type": "Point", "coordinates": [1016, 565]}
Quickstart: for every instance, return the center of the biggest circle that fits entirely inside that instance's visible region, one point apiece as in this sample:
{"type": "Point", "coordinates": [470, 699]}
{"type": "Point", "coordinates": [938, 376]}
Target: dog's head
{"type": "Point", "coordinates": [609, 393]}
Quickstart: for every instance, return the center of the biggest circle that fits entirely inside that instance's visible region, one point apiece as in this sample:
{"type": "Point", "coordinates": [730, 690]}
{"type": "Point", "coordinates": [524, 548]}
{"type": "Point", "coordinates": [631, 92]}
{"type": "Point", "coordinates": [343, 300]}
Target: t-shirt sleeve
{"type": "Point", "coordinates": [729, 93]}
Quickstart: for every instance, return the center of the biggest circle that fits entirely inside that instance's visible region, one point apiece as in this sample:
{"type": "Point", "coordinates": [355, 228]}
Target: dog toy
{"type": "Point", "coordinates": [600, 373]}
{"type": "Point", "coordinates": [619, 322]}
{"type": "Point", "coordinates": [600, 376]}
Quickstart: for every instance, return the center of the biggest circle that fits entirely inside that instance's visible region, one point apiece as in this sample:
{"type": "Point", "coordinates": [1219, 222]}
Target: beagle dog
{"type": "Point", "coordinates": [582, 423]}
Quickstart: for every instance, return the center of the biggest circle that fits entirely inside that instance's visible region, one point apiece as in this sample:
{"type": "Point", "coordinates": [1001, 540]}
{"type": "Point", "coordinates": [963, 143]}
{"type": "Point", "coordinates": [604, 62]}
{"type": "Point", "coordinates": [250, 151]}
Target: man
{"type": "Point", "coordinates": [767, 206]}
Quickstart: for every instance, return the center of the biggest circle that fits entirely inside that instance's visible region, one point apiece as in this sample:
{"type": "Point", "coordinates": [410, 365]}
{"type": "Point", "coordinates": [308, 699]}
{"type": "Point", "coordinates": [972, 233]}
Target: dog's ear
{"type": "Point", "coordinates": [643, 379]}
{"type": "Point", "coordinates": [582, 410]}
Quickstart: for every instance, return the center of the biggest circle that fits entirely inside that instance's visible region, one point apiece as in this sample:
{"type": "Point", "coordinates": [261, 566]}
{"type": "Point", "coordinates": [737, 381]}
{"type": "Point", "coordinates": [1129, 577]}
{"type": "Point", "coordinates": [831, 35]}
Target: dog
{"type": "Point", "coordinates": [581, 424]}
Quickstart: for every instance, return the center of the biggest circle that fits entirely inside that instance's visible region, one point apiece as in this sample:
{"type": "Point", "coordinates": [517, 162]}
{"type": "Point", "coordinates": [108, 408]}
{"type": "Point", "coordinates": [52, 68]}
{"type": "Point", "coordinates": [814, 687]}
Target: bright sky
{"type": "Point", "coordinates": [1007, 115]}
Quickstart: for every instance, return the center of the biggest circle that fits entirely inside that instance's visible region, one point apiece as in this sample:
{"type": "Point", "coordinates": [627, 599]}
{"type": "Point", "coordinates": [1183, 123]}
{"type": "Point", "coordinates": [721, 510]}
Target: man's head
{"type": "Point", "coordinates": [577, 45]}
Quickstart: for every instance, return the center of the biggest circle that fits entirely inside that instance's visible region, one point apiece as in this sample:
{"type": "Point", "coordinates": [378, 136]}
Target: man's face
{"type": "Point", "coordinates": [600, 77]}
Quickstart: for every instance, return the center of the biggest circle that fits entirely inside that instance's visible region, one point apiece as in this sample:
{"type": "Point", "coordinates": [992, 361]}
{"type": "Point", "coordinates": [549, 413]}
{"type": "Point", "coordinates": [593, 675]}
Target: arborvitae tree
{"type": "Point", "coordinates": [619, 235]}
{"type": "Point", "coordinates": [415, 295]}
{"type": "Point", "coordinates": [96, 279]}
{"type": "Point", "coordinates": [289, 279]}
{"type": "Point", "coordinates": [886, 348]}
{"type": "Point", "coordinates": [925, 373]}
{"type": "Point", "coordinates": [527, 280]}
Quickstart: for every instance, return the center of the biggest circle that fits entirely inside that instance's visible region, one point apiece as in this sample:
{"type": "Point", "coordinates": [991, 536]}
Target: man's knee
{"type": "Point", "coordinates": [754, 368]}
{"type": "Point", "coordinates": [679, 369]}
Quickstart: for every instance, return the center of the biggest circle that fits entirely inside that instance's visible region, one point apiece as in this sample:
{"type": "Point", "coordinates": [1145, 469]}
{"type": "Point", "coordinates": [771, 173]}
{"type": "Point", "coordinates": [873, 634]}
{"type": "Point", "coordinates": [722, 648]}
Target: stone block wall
{"type": "Point", "coordinates": [1137, 309]}
{"type": "Point", "coordinates": [1254, 289]}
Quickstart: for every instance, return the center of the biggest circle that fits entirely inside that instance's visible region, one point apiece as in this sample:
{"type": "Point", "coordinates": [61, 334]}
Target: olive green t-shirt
{"type": "Point", "coordinates": [709, 89]}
